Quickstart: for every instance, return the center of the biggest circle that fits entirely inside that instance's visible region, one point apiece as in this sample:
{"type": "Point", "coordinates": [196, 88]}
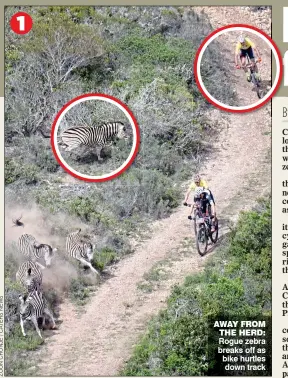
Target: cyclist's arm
{"type": "Point", "coordinates": [237, 58]}
{"type": "Point", "coordinates": [257, 52]}
{"type": "Point", "coordinates": [237, 54]}
{"type": "Point", "coordinates": [187, 194]}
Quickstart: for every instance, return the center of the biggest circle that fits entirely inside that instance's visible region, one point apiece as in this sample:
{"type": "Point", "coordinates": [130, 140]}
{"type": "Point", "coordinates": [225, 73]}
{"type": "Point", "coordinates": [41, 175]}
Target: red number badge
{"type": "Point", "coordinates": [21, 23]}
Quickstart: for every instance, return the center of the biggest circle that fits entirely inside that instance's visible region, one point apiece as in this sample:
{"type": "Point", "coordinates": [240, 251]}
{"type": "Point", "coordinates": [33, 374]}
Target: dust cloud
{"type": "Point", "coordinates": [46, 229]}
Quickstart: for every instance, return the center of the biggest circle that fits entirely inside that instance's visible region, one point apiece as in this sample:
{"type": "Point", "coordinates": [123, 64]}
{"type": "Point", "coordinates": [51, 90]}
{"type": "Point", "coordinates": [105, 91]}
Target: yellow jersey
{"type": "Point", "coordinates": [248, 43]}
{"type": "Point", "coordinates": [203, 183]}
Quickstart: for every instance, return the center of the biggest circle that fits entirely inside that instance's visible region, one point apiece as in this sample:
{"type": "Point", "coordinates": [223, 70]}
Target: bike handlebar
{"type": "Point", "coordinates": [190, 204]}
{"type": "Point", "coordinates": [259, 60]}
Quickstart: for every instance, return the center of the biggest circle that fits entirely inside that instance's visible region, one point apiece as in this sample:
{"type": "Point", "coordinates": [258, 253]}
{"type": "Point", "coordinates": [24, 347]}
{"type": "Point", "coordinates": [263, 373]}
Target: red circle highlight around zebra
{"type": "Point", "coordinates": [102, 97]}
{"type": "Point", "coordinates": [240, 28]}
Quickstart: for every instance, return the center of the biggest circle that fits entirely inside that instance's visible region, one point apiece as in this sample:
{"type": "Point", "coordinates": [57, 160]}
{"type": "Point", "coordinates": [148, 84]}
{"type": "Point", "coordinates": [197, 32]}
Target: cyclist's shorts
{"type": "Point", "coordinates": [248, 52]}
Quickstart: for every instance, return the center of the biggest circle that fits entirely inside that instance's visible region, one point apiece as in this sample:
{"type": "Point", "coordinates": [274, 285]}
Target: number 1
{"type": "Point", "coordinates": [21, 20]}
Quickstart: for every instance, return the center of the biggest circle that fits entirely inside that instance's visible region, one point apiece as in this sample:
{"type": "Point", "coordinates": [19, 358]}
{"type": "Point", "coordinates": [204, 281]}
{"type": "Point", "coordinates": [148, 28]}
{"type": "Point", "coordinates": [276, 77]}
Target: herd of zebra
{"type": "Point", "coordinates": [99, 137]}
{"type": "Point", "coordinates": [33, 304]}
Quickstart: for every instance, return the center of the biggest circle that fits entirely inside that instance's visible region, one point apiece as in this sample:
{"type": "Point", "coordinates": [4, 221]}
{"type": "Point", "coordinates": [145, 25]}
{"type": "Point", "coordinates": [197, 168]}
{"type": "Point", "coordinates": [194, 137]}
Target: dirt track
{"type": "Point", "coordinates": [99, 341]}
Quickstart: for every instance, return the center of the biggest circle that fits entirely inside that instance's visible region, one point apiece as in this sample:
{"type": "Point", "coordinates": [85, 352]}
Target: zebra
{"type": "Point", "coordinates": [80, 251]}
{"type": "Point", "coordinates": [32, 307]}
{"type": "Point", "coordinates": [30, 276]}
{"type": "Point", "coordinates": [98, 136]}
{"type": "Point", "coordinates": [28, 245]}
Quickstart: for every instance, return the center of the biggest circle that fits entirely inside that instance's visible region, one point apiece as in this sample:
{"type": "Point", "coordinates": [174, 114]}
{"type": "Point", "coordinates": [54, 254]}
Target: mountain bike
{"type": "Point", "coordinates": [254, 80]}
{"type": "Point", "coordinates": [250, 65]}
{"type": "Point", "coordinates": [202, 229]}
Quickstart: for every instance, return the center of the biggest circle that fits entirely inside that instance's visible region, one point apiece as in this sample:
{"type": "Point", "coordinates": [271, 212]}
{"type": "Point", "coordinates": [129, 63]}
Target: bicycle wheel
{"type": "Point", "coordinates": [254, 80]}
{"type": "Point", "coordinates": [196, 217]}
{"type": "Point", "coordinates": [195, 226]}
{"type": "Point", "coordinates": [214, 235]}
{"type": "Point", "coordinates": [201, 240]}
{"type": "Point", "coordinates": [260, 93]}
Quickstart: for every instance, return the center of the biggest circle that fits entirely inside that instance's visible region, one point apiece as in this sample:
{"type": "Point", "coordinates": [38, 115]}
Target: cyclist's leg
{"type": "Point", "coordinates": [251, 55]}
{"type": "Point", "coordinates": [212, 220]}
{"type": "Point", "coordinates": [212, 197]}
{"type": "Point", "coordinates": [209, 210]}
{"type": "Point", "coordinates": [243, 63]}
{"type": "Point", "coordinates": [243, 60]}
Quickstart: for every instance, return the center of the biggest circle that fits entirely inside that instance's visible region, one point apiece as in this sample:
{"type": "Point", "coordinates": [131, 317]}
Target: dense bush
{"type": "Point", "coordinates": [143, 56]}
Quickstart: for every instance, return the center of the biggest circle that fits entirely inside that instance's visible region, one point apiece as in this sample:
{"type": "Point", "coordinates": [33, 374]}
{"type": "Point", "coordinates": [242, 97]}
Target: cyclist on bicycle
{"type": "Point", "coordinates": [198, 181]}
{"type": "Point", "coordinates": [203, 196]}
{"type": "Point", "coordinates": [245, 47]}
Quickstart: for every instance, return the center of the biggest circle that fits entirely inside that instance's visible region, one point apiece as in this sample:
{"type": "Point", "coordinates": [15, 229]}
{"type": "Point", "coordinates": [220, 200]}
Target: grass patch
{"type": "Point", "coordinates": [17, 348]}
{"type": "Point", "coordinates": [80, 289]}
{"type": "Point", "coordinates": [105, 257]}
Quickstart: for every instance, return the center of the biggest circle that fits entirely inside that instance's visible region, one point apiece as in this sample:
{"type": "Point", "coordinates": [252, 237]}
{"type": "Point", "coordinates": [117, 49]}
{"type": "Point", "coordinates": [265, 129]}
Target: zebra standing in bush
{"type": "Point", "coordinates": [28, 245]}
{"type": "Point", "coordinates": [83, 252]}
{"type": "Point", "coordinates": [30, 276]}
{"type": "Point", "coordinates": [98, 136]}
{"type": "Point", "coordinates": [32, 307]}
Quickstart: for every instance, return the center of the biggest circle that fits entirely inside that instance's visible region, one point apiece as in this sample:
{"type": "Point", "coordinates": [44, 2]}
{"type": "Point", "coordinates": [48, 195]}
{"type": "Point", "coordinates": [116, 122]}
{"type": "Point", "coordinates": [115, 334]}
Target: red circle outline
{"type": "Point", "coordinates": [17, 15]}
{"type": "Point", "coordinates": [229, 27]}
{"type": "Point", "coordinates": [135, 125]}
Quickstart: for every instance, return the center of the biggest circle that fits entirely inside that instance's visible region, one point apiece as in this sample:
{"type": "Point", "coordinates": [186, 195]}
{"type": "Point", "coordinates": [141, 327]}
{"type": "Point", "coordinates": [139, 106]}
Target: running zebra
{"type": "Point", "coordinates": [32, 307]}
{"type": "Point", "coordinates": [83, 252]}
{"type": "Point", "coordinates": [28, 245]}
{"type": "Point", "coordinates": [98, 136]}
{"type": "Point", "coordinates": [30, 276]}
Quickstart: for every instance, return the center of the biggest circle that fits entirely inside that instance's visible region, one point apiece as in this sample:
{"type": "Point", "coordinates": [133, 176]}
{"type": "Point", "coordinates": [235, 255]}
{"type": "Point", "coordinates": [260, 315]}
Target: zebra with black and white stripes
{"type": "Point", "coordinates": [80, 251]}
{"type": "Point", "coordinates": [30, 276]}
{"type": "Point", "coordinates": [98, 136]}
{"type": "Point", "coordinates": [28, 245]}
{"type": "Point", "coordinates": [32, 307]}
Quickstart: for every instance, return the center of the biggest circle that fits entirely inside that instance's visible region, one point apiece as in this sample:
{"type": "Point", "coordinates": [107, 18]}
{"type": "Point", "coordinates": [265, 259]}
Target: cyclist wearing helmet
{"type": "Point", "coordinates": [245, 47]}
{"type": "Point", "coordinates": [198, 181]}
{"type": "Point", "coordinates": [203, 196]}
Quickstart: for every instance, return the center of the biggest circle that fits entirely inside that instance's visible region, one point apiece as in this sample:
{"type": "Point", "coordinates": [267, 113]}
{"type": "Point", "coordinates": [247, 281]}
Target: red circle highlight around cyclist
{"type": "Point", "coordinates": [107, 98]}
{"type": "Point", "coordinates": [242, 109]}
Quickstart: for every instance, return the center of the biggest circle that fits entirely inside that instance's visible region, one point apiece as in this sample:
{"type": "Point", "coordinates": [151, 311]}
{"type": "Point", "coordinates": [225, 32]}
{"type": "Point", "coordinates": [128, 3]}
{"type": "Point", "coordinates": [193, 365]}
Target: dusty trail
{"type": "Point", "coordinates": [99, 341]}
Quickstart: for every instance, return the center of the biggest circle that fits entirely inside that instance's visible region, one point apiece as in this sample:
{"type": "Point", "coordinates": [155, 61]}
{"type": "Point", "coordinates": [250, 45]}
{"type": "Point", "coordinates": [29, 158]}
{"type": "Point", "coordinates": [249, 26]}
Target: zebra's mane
{"type": "Point", "coordinates": [37, 246]}
{"type": "Point", "coordinates": [107, 123]}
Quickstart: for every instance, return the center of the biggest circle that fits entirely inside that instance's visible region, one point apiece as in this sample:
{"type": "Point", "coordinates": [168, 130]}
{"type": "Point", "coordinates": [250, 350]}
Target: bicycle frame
{"type": "Point", "coordinates": [203, 228]}
{"type": "Point", "coordinates": [251, 66]}
{"type": "Point", "coordinates": [201, 218]}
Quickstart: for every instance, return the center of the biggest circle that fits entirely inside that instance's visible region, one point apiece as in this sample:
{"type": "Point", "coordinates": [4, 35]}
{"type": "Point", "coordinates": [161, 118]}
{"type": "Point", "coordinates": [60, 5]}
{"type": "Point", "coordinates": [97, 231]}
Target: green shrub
{"type": "Point", "coordinates": [253, 232]}
{"type": "Point", "coordinates": [17, 348]}
{"type": "Point", "coordinates": [103, 258]}
{"type": "Point", "coordinates": [81, 288]}
{"type": "Point", "coordinates": [16, 170]}
{"type": "Point", "coordinates": [155, 50]}
{"type": "Point", "coordinates": [12, 172]}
